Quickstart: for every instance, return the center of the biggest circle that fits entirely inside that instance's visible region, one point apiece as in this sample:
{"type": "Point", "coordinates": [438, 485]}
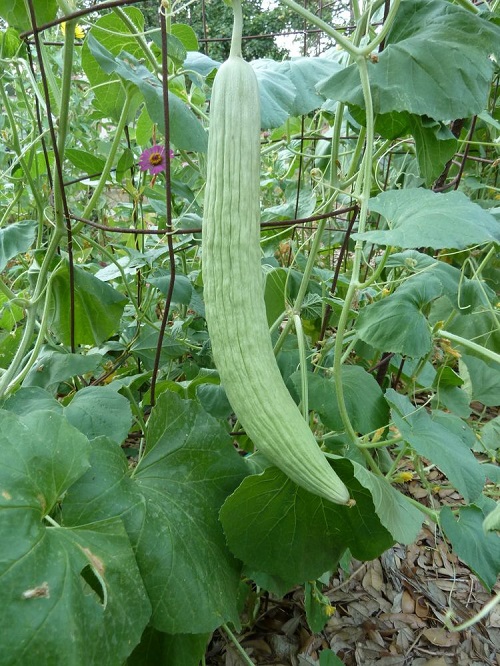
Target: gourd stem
{"type": "Point", "coordinates": [303, 365]}
{"type": "Point", "coordinates": [237, 35]}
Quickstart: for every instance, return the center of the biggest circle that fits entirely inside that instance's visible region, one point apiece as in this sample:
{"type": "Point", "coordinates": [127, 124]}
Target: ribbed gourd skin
{"type": "Point", "coordinates": [234, 288]}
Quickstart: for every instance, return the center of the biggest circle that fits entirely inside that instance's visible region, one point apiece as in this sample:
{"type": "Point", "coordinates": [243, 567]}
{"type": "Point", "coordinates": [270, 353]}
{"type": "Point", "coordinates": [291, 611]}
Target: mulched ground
{"type": "Point", "coordinates": [389, 612]}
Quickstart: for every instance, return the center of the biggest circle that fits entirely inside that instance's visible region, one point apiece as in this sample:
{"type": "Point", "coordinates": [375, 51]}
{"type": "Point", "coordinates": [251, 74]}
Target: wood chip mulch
{"type": "Point", "coordinates": [389, 612]}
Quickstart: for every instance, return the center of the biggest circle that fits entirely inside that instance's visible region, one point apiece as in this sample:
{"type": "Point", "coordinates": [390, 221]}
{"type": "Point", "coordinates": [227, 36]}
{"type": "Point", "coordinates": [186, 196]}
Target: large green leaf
{"type": "Point", "coordinates": [278, 528]}
{"type": "Point", "coordinates": [366, 415]}
{"type": "Point", "coordinates": [100, 411]}
{"type": "Point", "coordinates": [16, 238]}
{"type": "Point", "coordinates": [288, 88]}
{"type": "Point", "coordinates": [15, 12]}
{"type": "Point", "coordinates": [170, 510]}
{"type": "Point", "coordinates": [277, 94]}
{"type": "Point", "coordinates": [396, 323]}
{"type": "Point", "coordinates": [435, 63]}
{"type": "Point", "coordinates": [422, 218]}
{"type": "Point", "coordinates": [31, 399]}
{"type": "Point", "coordinates": [98, 307]}
{"type": "Point", "coordinates": [440, 441]}
{"type": "Point", "coordinates": [83, 579]}
{"type": "Point", "coordinates": [477, 548]}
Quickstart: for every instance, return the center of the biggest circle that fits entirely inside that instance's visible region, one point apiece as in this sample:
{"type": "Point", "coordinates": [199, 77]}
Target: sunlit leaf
{"type": "Point", "coordinates": [435, 63]}
{"type": "Point", "coordinates": [422, 218]}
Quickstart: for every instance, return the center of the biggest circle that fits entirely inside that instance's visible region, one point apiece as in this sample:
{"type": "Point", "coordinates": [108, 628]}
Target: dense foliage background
{"type": "Point", "coordinates": [136, 518]}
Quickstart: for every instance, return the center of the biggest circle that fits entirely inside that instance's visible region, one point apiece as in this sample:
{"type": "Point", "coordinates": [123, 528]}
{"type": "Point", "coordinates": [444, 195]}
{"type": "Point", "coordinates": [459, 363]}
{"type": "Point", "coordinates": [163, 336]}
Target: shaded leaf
{"type": "Point", "coordinates": [276, 527]}
{"type": "Point", "coordinates": [14, 239]}
{"type": "Point", "coordinates": [438, 441]}
{"type": "Point", "coordinates": [435, 146]}
{"type": "Point", "coordinates": [170, 510]}
{"type": "Point", "coordinates": [485, 378]}
{"type": "Point", "coordinates": [275, 293]}
{"type": "Point", "coordinates": [98, 307]}
{"type": "Point", "coordinates": [146, 343]}
{"type": "Point", "coordinates": [100, 411]}
{"type": "Point", "coordinates": [317, 607]}
{"type": "Point", "coordinates": [54, 367]}
{"type": "Point", "coordinates": [159, 649]}
{"type": "Point", "coordinates": [480, 550]}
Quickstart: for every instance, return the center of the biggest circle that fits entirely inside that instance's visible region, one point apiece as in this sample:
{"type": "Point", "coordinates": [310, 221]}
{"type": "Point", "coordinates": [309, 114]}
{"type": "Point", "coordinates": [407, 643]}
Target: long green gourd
{"type": "Point", "coordinates": [233, 283]}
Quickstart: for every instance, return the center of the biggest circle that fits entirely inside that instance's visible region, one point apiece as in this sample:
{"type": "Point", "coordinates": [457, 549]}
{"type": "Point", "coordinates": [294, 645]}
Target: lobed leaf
{"type": "Point", "coordinates": [170, 510]}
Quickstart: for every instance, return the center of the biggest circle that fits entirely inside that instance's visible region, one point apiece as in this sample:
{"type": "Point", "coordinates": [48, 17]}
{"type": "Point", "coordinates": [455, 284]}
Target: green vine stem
{"type": "Point", "coordinates": [235, 641]}
{"type": "Point", "coordinates": [345, 43]}
{"type": "Point", "coordinates": [468, 344]}
{"type": "Point", "coordinates": [362, 191]}
{"type": "Point", "coordinates": [402, 452]}
{"type": "Point", "coordinates": [297, 306]}
{"type": "Point", "coordinates": [138, 37]}
{"type": "Point", "coordinates": [430, 513]}
{"type": "Point", "coordinates": [6, 291]}
{"type": "Point", "coordinates": [16, 145]}
{"type": "Point", "coordinates": [39, 339]}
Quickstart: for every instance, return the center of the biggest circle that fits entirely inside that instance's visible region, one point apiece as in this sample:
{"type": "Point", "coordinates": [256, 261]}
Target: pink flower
{"type": "Point", "coordinates": [154, 159]}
